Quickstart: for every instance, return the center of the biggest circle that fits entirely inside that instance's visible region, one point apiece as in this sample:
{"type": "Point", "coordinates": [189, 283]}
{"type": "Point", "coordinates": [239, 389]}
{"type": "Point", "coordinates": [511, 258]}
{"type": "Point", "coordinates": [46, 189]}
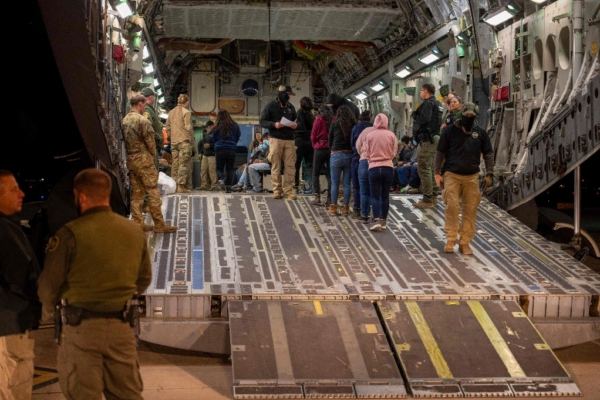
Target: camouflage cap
{"type": "Point", "coordinates": [147, 92]}
{"type": "Point", "coordinates": [470, 108]}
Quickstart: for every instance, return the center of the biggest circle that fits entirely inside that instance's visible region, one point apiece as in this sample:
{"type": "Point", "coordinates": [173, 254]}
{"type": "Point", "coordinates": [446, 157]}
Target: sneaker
{"type": "Point", "coordinates": [397, 190]}
{"type": "Point", "coordinates": [376, 225]}
{"type": "Point", "coordinates": [405, 189]}
{"type": "Point", "coordinates": [165, 229]}
{"type": "Point", "coordinates": [413, 191]}
{"type": "Point", "coordinates": [276, 195]}
{"type": "Point", "coordinates": [237, 188]}
{"type": "Point", "coordinates": [364, 219]}
{"type": "Point", "coordinates": [383, 224]}
{"type": "Point", "coordinates": [421, 204]}
{"type": "Point", "coordinates": [253, 191]}
{"type": "Point", "coordinates": [289, 196]}
{"type": "Point", "coordinates": [219, 187]}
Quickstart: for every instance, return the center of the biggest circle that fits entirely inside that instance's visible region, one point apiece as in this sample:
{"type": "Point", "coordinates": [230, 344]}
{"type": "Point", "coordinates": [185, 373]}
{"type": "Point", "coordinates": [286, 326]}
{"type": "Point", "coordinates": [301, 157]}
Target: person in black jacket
{"type": "Point", "coordinates": [208, 166]}
{"type": "Point", "coordinates": [335, 101]}
{"type": "Point", "coordinates": [457, 166]}
{"type": "Point", "coordinates": [304, 149]}
{"type": "Point", "coordinates": [282, 146]}
{"type": "Point", "coordinates": [20, 309]}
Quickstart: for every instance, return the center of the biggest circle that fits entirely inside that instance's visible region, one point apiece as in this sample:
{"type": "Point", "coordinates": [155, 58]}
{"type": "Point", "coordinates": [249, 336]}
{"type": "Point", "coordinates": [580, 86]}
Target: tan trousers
{"type": "Point", "coordinates": [16, 367]}
{"type": "Point", "coordinates": [457, 188]}
{"type": "Point", "coordinates": [99, 357]}
{"type": "Point", "coordinates": [144, 179]}
{"type": "Point", "coordinates": [208, 172]}
{"type": "Point", "coordinates": [282, 150]}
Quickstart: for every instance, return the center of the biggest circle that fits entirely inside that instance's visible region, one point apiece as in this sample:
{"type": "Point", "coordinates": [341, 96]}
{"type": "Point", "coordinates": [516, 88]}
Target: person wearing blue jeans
{"type": "Point", "coordinates": [365, 190]}
{"type": "Point", "coordinates": [379, 149]}
{"type": "Point", "coordinates": [341, 157]}
{"type": "Point", "coordinates": [380, 179]}
{"type": "Point", "coordinates": [340, 164]}
{"type": "Point", "coordinates": [364, 121]}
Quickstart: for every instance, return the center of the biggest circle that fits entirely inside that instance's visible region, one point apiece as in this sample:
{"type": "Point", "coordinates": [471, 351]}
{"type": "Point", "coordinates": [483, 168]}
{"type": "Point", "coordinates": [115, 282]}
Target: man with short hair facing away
{"type": "Point", "coordinates": [282, 145]}
{"type": "Point", "coordinates": [181, 133]}
{"type": "Point", "coordinates": [426, 127]}
{"type": "Point", "coordinates": [96, 263]}
{"type": "Point", "coordinates": [150, 113]}
{"type": "Point", "coordinates": [19, 304]}
{"type": "Point", "coordinates": [459, 151]}
{"type": "Point", "coordinates": [141, 148]}
{"type": "Point", "coordinates": [208, 167]}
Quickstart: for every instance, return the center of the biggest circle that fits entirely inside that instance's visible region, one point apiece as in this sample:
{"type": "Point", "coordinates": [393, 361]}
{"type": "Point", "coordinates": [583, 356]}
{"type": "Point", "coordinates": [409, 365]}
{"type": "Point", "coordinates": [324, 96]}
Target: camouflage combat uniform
{"type": "Point", "coordinates": [180, 131]}
{"type": "Point", "coordinates": [150, 114]}
{"type": "Point", "coordinates": [97, 262]}
{"type": "Point", "coordinates": [141, 149]}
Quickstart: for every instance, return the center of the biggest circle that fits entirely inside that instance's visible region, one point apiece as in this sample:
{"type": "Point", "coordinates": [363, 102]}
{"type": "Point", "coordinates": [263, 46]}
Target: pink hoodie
{"type": "Point", "coordinates": [380, 145]}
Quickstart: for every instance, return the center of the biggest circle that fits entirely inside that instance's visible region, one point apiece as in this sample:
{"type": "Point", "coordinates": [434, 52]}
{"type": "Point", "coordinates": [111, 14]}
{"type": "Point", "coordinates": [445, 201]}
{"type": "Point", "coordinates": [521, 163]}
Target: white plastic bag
{"type": "Point", "coordinates": [166, 184]}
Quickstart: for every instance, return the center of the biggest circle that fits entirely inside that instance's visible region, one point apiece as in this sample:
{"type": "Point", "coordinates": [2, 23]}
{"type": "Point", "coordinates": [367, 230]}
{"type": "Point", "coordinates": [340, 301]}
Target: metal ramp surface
{"type": "Point", "coordinates": [311, 349]}
{"type": "Point", "coordinates": [388, 349]}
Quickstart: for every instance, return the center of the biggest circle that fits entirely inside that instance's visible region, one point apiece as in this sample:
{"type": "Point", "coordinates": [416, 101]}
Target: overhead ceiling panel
{"type": "Point", "coordinates": [288, 22]}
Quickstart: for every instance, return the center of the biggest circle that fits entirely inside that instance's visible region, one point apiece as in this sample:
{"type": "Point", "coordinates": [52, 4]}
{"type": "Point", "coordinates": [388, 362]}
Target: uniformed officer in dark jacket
{"type": "Point", "coordinates": [96, 263]}
{"type": "Point", "coordinates": [157, 126]}
{"type": "Point", "coordinates": [19, 305]}
{"type": "Point", "coordinates": [457, 163]}
{"type": "Point", "coordinates": [282, 145]}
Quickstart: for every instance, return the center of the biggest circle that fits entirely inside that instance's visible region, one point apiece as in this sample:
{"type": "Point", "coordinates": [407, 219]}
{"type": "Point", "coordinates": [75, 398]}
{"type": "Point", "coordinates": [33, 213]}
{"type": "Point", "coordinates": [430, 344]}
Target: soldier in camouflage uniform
{"type": "Point", "coordinates": [181, 134]}
{"type": "Point", "coordinates": [141, 149]}
{"type": "Point", "coordinates": [150, 113]}
{"type": "Point", "coordinates": [96, 263]}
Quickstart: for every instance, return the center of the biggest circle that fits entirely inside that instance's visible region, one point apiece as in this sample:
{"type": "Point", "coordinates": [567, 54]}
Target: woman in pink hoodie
{"type": "Point", "coordinates": [379, 148]}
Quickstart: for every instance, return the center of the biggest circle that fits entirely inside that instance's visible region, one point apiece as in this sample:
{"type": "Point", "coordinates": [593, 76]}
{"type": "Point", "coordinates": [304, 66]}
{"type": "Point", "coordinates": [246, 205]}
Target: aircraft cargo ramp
{"type": "Point", "coordinates": [313, 306]}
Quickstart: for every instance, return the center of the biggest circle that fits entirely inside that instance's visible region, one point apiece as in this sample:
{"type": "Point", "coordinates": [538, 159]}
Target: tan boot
{"type": "Point", "coordinates": [164, 228]}
{"type": "Point", "coordinates": [276, 195]}
{"type": "Point", "coordinates": [345, 211]}
{"type": "Point", "coordinates": [333, 210]}
{"type": "Point", "coordinates": [147, 228]}
{"type": "Point", "coordinates": [449, 247]}
{"type": "Point", "coordinates": [289, 196]}
{"type": "Point", "coordinates": [465, 248]}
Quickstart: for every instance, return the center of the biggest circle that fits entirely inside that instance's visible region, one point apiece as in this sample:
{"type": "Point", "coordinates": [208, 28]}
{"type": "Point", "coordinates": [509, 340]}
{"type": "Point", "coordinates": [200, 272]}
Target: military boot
{"type": "Point", "coordinates": [355, 213]}
{"type": "Point", "coordinates": [464, 248]}
{"type": "Point", "coordinates": [449, 247]}
{"type": "Point", "coordinates": [164, 228]}
{"type": "Point", "coordinates": [345, 210]}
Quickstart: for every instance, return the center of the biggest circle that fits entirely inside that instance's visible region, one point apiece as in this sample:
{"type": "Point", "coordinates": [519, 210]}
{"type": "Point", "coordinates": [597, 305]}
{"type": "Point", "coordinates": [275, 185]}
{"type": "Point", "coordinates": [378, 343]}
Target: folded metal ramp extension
{"type": "Point", "coordinates": [388, 349]}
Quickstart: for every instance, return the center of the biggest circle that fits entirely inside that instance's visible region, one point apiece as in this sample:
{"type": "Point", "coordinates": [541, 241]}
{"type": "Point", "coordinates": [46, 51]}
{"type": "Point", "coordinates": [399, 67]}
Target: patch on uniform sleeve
{"type": "Point", "coordinates": [147, 115]}
{"type": "Point", "coordinates": [52, 244]}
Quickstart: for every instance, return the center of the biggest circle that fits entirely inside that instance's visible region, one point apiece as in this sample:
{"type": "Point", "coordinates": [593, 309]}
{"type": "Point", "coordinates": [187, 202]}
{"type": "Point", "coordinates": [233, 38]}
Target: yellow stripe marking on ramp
{"type": "Point", "coordinates": [318, 308]}
{"type": "Point", "coordinates": [507, 357]}
{"type": "Point", "coordinates": [435, 354]}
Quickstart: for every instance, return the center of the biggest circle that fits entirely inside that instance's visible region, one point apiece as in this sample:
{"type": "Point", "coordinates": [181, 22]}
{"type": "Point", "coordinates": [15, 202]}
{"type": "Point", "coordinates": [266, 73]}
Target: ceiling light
{"type": "Point", "coordinates": [161, 100]}
{"type": "Point", "coordinates": [377, 86]}
{"type": "Point", "coordinates": [163, 116]}
{"type": "Point", "coordinates": [145, 53]}
{"type": "Point", "coordinates": [501, 14]}
{"type": "Point", "coordinates": [159, 91]}
{"type": "Point", "coordinates": [149, 68]}
{"type": "Point", "coordinates": [349, 99]}
{"type": "Point", "coordinates": [539, 1]}
{"type": "Point", "coordinates": [404, 72]}
{"type": "Point", "coordinates": [156, 83]}
{"type": "Point", "coordinates": [361, 95]}
{"type": "Point", "coordinates": [122, 8]}
{"type": "Point", "coordinates": [430, 56]}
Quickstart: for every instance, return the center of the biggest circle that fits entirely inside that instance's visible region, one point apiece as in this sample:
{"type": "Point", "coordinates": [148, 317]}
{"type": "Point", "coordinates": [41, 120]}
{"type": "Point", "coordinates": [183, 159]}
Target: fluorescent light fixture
{"type": "Point", "coordinates": [377, 86]}
{"type": "Point", "coordinates": [361, 95]}
{"type": "Point", "coordinates": [501, 14]}
{"type": "Point", "coordinates": [159, 91]}
{"type": "Point", "coordinates": [163, 116]}
{"type": "Point", "coordinates": [145, 53]}
{"type": "Point", "coordinates": [156, 83]}
{"type": "Point", "coordinates": [122, 8]}
{"type": "Point", "coordinates": [430, 56]}
{"type": "Point", "coordinates": [349, 99]}
{"type": "Point", "coordinates": [404, 72]}
{"type": "Point", "coordinates": [161, 100]}
{"type": "Point", "coordinates": [149, 68]}
{"type": "Point", "coordinates": [539, 1]}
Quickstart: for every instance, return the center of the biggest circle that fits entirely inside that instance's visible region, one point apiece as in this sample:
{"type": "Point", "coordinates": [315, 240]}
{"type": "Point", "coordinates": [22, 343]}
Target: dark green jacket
{"type": "Point", "coordinates": [97, 262]}
{"type": "Point", "coordinates": [150, 113]}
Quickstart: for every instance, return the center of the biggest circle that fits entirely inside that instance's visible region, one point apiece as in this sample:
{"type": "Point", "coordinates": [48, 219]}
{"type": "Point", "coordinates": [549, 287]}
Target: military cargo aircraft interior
{"type": "Point", "coordinates": [302, 302]}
